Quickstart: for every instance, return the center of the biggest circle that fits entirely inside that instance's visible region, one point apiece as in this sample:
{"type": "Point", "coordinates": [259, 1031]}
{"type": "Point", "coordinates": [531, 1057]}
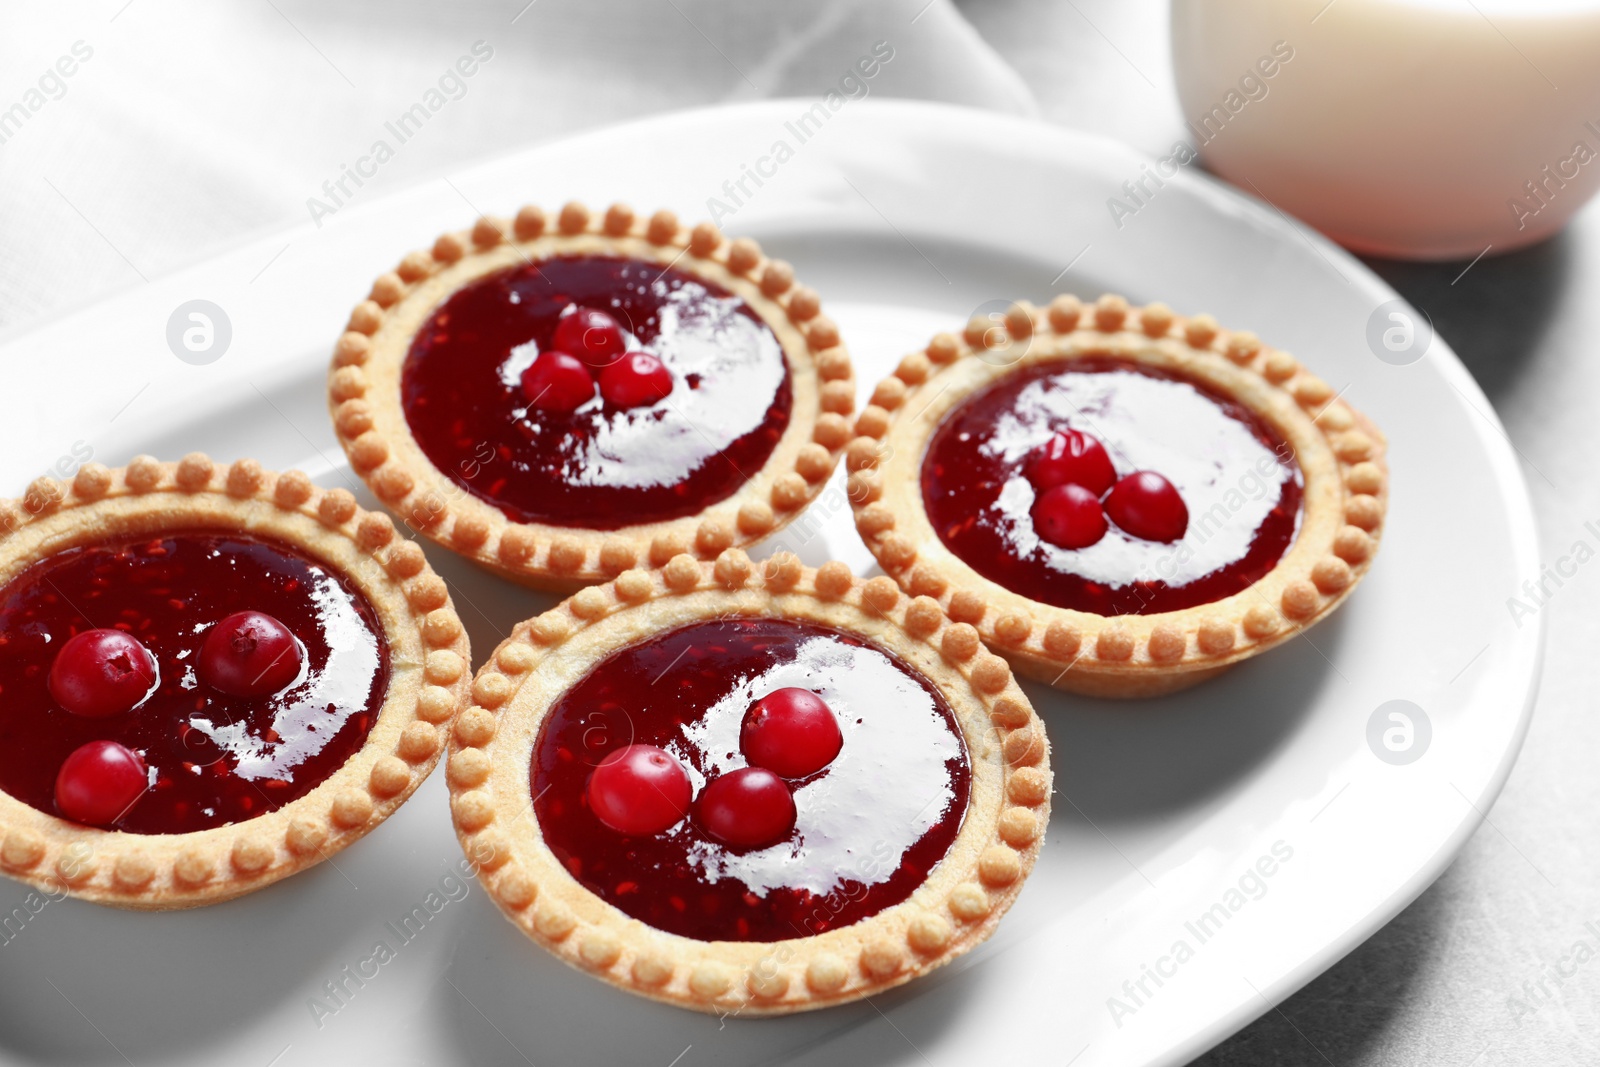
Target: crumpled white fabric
{"type": "Point", "coordinates": [193, 126]}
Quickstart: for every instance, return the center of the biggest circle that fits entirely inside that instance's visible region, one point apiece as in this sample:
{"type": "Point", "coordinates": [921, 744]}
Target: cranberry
{"type": "Point", "coordinates": [636, 380]}
{"type": "Point", "coordinates": [1146, 505]}
{"type": "Point", "coordinates": [99, 782]}
{"type": "Point", "coordinates": [639, 790]}
{"type": "Point", "coordinates": [791, 732]}
{"type": "Point", "coordinates": [1069, 516]}
{"type": "Point", "coordinates": [591, 335]}
{"type": "Point", "coordinates": [1071, 458]}
{"type": "Point", "coordinates": [556, 381]}
{"type": "Point", "coordinates": [747, 808]}
{"type": "Point", "coordinates": [249, 654]}
{"type": "Point", "coordinates": [102, 672]}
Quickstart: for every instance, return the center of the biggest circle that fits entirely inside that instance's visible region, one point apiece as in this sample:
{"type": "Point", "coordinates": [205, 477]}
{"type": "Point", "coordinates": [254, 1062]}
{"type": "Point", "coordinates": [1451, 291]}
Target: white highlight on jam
{"type": "Point", "coordinates": [887, 787]}
{"type": "Point", "coordinates": [1229, 480]}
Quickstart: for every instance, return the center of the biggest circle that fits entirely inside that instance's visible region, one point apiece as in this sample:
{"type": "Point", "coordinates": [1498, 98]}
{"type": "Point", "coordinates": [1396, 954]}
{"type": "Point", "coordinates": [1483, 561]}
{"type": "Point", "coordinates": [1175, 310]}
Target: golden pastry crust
{"type": "Point", "coordinates": [956, 908]}
{"type": "Point", "coordinates": [429, 678]}
{"type": "Point", "coordinates": [364, 395]}
{"type": "Point", "coordinates": [1340, 453]}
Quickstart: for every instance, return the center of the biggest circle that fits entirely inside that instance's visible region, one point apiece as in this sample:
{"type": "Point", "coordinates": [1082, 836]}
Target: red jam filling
{"type": "Point", "coordinates": [757, 856]}
{"type": "Point", "coordinates": [1207, 497]}
{"type": "Point", "coordinates": [209, 758]}
{"type": "Point", "coordinates": [615, 453]}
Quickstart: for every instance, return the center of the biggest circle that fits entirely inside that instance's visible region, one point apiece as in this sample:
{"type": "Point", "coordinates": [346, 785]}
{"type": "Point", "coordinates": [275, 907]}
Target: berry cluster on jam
{"type": "Point", "coordinates": [1078, 490]}
{"type": "Point", "coordinates": [590, 349]}
{"type": "Point", "coordinates": [105, 672]}
{"type": "Point", "coordinates": [788, 735]}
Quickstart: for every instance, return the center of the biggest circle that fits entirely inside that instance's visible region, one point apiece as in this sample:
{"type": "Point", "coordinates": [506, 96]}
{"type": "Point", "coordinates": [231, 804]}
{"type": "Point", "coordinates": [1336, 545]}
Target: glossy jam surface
{"type": "Point", "coordinates": [600, 466]}
{"type": "Point", "coordinates": [868, 827]}
{"type": "Point", "coordinates": [1237, 477]}
{"type": "Point", "coordinates": [213, 759]}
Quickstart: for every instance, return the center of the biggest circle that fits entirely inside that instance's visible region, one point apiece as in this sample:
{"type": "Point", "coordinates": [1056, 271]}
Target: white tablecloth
{"type": "Point", "coordinates": [187, 126]}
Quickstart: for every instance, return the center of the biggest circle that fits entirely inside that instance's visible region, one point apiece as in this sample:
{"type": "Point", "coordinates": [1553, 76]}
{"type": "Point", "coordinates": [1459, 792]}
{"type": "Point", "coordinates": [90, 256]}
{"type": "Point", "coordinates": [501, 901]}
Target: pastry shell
{"type": "Point", "coordinates": [956, 908]}
{"type": "Point", "coordinates": [1340, 453]}
{"type": "Point", "coordinates": [429, 677]}
{"type": "Point", "coordinates": [365, 401]}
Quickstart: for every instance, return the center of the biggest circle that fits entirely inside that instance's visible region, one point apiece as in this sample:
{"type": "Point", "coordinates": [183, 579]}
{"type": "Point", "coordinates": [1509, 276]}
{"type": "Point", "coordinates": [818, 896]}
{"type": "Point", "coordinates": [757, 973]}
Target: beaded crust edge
{"type": "Point", "coordinates": [957, 907]}
{"type": "Point", "coordinates": [1340, 453]}
{"type": "Point", "coordinates": [364, 395]}
{"type": "Point", "coordinates": [429, 677]}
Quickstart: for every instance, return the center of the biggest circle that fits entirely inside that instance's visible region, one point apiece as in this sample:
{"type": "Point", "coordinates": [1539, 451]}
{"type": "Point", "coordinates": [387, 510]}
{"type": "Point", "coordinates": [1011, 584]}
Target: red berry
{"type": "Point", "coordinates": [636, 380]}
{"type": "Point", "coordinates": [591, 335]}
{"type": "Point", "coordinates": [747, 808]}
{"type": "Point", "coordinates": [1069, 516]}
{"type": "Point", "coordinates": [1071, 458]}
{"type": "Point", "coordinates": [556, 381]}
{"type": "Point", "coordinates": [99, 782]}
{"type": "Point", "coordinates": [791, 732]}
{"type": "Point", "coordinates": [639, 790]}
{"type": "Point", "coordinates": [102, 672]}
{"type": "Point", "coordinates": [1146, 505]}
{"type": "Point", "coordinates": [249, 654]}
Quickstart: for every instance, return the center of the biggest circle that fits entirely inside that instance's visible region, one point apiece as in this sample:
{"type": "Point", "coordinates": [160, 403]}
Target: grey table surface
{"type": "Point", "coordinates": [1470, 974]}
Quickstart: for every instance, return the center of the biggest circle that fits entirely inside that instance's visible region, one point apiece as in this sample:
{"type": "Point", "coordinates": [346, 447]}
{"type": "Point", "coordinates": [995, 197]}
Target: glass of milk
{"type": "Point", "coordinates": [1416, 129]}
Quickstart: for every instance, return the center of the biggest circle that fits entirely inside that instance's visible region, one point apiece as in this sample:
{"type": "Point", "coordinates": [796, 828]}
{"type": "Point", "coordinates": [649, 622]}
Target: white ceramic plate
{"type": "Point", "coordinates": [907, 218]}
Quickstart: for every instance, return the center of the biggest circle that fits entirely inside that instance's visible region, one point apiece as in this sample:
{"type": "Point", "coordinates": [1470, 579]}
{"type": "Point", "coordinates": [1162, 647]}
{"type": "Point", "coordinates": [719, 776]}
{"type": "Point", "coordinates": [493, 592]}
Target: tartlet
{"type": "Point", "coordinates": [457, 395]}
{"type": "Point", "coordinates": [141, 606]}
{"type": "Point", "coordinates": [1268, 514]}
{"type": "Point", "coordinates": [692, 644]}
